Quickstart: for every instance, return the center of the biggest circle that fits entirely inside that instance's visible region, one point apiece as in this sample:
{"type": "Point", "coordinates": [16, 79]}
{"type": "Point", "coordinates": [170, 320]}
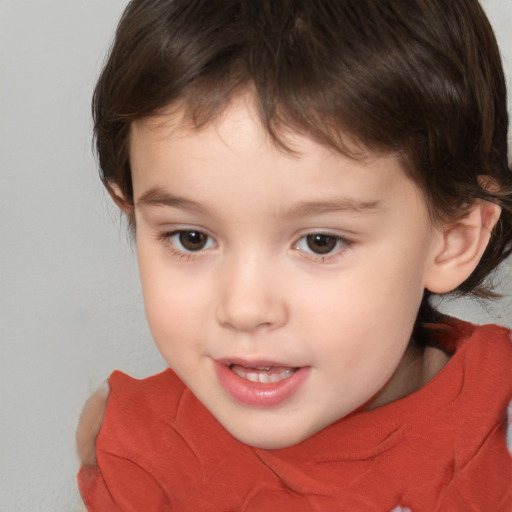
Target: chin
{"type": "Point", "coordinates": [268, 440]}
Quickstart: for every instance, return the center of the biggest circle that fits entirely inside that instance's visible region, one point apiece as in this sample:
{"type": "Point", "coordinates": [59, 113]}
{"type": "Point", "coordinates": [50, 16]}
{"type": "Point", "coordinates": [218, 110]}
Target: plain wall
{"type": "Point", "coordinates": [71, 307]}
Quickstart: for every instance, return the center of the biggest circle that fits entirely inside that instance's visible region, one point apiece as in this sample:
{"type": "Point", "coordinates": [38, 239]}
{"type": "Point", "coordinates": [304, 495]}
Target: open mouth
{"type": "Point", "coordinates": [263, 374]}
{"type": "Point", "coordinates": [260, 383]}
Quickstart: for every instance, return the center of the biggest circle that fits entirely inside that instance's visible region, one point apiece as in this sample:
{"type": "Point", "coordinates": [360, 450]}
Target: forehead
{"type": "Point", "coordinates": [240, 114]}
{"type": "Point", "coordinates": [167, 150]}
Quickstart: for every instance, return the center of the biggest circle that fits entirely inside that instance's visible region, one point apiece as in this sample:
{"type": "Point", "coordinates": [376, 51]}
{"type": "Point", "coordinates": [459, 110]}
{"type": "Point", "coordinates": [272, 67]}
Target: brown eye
{"type": "Point", "coordinates": [321, 244]}
{"type": "Point", "coordinates": [192, 240]}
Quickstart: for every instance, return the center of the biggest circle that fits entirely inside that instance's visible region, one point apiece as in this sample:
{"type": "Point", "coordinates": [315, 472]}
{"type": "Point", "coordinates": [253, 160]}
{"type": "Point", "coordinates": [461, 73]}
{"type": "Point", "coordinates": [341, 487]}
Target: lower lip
{"type": "Point", "coordinates": [257, 394]}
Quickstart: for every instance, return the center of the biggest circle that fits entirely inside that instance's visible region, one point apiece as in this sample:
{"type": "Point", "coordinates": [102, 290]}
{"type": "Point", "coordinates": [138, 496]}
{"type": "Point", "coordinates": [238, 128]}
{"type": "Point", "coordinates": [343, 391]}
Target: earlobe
{"type": "Point", "coordinates": [119, 198]}
{"type": "Point", "coordinates": [462, 245]}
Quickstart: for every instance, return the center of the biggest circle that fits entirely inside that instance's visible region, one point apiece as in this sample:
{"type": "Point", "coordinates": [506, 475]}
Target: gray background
{"type": "Point", "coordinates": [71, 307]}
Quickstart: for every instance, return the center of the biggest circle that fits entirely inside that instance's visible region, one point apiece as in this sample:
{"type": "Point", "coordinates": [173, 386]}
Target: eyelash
{"type": "Point", "coordinates": [172, 240]}
{"type": "Point", "coordinates": [341, 245]}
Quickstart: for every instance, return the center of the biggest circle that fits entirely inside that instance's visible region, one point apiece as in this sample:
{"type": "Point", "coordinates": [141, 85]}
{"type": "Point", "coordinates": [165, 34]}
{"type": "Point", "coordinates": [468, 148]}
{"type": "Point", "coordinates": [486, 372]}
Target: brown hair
{"type": "Point", "coordinates": [421, 78]}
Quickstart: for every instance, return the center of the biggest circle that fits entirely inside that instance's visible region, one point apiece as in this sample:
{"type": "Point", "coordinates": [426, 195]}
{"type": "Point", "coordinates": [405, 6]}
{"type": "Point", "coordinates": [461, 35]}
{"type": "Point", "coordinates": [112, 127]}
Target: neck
{"type": "Point", "coordinates": [418, 366]}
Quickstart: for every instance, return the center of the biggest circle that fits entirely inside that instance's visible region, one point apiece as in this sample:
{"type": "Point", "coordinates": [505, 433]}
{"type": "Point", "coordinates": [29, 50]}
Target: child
{"type": "Point", "coordinates": [301, 176]}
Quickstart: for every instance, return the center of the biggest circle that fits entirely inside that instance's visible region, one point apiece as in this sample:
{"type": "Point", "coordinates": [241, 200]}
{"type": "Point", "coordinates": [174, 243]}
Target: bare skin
{"type": "Point", "coordinates": [89, 426]}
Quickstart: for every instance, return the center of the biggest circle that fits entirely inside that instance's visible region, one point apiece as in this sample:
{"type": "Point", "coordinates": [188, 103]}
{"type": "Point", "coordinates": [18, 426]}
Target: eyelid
{"type": "Point", "coordinates": [175, 237]}
{"type": "Point", "coordinates": [166, 238]}
{"type": "Point", "coordinates": [345, 244]}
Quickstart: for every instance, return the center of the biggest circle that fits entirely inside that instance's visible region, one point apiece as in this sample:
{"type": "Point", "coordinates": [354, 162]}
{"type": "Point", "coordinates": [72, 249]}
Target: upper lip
{"type": "Point", "coordinates": [253, 363]}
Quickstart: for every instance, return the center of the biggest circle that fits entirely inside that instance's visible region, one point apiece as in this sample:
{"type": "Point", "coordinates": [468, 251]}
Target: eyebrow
{"type": "Point", "coordinates": [306, 208]}
{"type": "Point", "coordinates": [159, 197]}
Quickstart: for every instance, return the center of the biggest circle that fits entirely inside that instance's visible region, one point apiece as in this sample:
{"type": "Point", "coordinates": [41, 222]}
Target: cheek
{"type": "Point", "coordinates": [172, 305]}
{"type": "Point", "coordinates": [174, 323]}
{"type": "Point", "coordinates": [366, 314]}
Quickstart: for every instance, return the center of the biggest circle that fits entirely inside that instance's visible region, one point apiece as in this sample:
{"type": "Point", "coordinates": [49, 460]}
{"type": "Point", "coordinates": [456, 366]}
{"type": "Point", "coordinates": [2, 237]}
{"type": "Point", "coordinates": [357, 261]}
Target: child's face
{"type": "Point", "coordinates": [310, 267]}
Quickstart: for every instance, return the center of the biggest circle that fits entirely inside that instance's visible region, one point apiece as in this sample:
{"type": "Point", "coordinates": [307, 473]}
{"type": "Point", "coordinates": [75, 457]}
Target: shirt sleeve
{"type": "Point", "coordinates": [120, 485]}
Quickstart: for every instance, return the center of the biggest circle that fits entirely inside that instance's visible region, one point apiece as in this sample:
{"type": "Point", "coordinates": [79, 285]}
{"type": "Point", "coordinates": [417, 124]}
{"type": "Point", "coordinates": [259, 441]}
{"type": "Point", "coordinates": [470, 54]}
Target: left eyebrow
{"type": "Point", "coordinates": [159, 197]}
{"type": "Point", "coordinates": [338, 205]}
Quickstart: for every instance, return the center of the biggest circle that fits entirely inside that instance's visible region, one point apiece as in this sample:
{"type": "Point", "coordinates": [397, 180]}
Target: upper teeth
{"type": "Point", "coordinates": [262, 374]}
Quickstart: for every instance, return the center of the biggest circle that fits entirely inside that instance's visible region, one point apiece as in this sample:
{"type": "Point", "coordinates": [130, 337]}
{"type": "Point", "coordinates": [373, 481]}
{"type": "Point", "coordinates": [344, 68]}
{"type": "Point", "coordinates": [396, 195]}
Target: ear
{"type": "Point", "coordinates": [118, 197]}
{"type": "Point", "coordinates": [460, 247]}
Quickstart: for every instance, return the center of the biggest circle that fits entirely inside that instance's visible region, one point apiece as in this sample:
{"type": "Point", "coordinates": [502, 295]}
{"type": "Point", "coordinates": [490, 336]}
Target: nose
{"type": "Point", "coordinates": [250, 297]}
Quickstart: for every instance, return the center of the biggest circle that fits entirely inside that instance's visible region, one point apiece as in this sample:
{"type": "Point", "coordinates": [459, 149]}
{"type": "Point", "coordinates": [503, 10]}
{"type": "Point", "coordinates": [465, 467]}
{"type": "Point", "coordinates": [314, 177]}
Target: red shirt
{"type": "Point", "coordinates": [443, 448]}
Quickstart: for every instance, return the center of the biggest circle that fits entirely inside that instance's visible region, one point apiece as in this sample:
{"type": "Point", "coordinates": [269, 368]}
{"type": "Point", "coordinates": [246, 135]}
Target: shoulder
{"type": "Point", "coordinates": [155, 396]}
{"type": "Point", "coordinates": [490, 348]}
{"type": "Point", "coordinates": [455, 334]}
{"type": "Point", "coordinates": [484, 356]}
{"type": "Point", "coordinates": [125, 404]}
{"type": "Point", "coordinates": [484, 347]}
{"type": "Point", "coordinates": [487, 397]}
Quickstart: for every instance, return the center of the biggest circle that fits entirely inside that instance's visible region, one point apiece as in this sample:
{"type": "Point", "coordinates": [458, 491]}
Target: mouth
{"type": "Point", "coordinates": [260, 383]}
{"type": "Point", "coordinates": [262, 374]}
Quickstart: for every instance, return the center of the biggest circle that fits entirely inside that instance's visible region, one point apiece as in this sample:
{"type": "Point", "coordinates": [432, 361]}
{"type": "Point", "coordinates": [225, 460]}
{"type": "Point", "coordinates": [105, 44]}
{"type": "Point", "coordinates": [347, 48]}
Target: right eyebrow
{"type": "Point", "coordinates": [159, 197]}
{"type": "Point", "coordinates": [306, 208]}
